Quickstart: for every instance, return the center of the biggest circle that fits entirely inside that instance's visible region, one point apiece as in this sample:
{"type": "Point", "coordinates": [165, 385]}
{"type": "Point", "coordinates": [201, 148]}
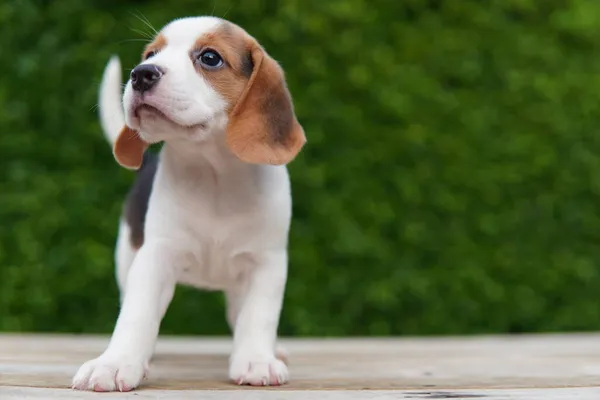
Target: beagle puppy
{"type": "Point", "coordinates": [212, 210]}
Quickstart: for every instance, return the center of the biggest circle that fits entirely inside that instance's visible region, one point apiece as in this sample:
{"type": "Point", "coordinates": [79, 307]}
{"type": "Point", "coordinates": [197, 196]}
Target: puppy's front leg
{"type": "Point", "coordinates": [150, 286]}
{"type": "Point", "coordinates": [253, 360]}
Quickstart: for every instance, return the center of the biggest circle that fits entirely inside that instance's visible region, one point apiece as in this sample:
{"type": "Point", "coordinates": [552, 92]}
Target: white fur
{"type": "Point", "coordinates": [111, 111]}
{"type": "Point", "coordinates": [213, 222]}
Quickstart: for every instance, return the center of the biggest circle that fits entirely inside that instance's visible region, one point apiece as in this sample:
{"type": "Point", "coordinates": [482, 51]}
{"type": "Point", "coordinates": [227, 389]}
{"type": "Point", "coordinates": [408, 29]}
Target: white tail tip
{"type": "Point", "coordinates": [110, 104]}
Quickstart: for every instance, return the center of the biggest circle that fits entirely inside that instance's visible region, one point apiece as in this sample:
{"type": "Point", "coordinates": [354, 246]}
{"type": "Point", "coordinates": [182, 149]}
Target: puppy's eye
{"type": "Point", "coordinates": [149, 55]}
{"type": "Point", "coordinates": [210, 59]}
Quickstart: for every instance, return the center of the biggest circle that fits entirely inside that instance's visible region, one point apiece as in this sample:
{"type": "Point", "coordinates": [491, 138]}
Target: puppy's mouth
{"type": "Point", "coordinates": [150, 109]}
{"type": "Point", "coordinates": [144, 110]}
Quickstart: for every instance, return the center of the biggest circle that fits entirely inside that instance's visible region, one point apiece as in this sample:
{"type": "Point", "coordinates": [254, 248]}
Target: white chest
{"type": "Point", "coordinates": [211, 266]}
{"type": "Point", "coordinates": [220, 218]}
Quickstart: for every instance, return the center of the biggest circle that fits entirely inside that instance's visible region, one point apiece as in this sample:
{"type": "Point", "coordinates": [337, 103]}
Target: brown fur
{"type": "Point", "coordinates": [129, 148]}
{"type": "Point", "coordinates": [263, 128]}
{"type": "Point", "coordinates": [157, 45]}
{"type": "Point", "coordinates": [229, 42]}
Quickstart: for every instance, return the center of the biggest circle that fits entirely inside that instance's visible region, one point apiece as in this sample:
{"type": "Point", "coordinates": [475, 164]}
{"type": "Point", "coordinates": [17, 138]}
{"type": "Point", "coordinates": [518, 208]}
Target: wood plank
{"type": "Point", "coordinates": [10, 393]}
{"type": "Point", "coordinates": [509, 365]}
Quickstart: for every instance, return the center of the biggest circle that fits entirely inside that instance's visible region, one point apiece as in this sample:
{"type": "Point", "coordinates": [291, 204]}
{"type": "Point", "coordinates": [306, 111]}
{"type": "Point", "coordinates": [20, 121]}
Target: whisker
{"type": "Point", "coordinates": [147, 35]}
{"type": "Point", "coordinates": [224, 15]}
{"type": "Point", "coordinates": [142, 18]}
{"type": "Point", "coordinates": [135, 134]}
{"type": "Point", "coordinates": [134, 40]}
{"type": "Point", "coordinates": [150, 25]}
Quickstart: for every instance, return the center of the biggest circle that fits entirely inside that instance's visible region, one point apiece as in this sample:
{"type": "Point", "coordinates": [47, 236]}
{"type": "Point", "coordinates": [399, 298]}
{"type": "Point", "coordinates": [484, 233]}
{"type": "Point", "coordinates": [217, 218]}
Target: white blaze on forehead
{"type": "Point", "coordinates": [185, 31]}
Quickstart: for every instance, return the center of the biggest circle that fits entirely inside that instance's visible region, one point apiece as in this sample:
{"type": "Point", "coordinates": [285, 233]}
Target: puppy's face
{"type": "Point", "coordinates": [203, 76]}
{"type": "Point", "coordinates": [169, 94]}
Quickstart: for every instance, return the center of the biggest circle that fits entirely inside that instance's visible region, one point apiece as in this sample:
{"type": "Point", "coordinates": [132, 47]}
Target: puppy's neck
{"type": "Point", "coordinates": [187, 155]}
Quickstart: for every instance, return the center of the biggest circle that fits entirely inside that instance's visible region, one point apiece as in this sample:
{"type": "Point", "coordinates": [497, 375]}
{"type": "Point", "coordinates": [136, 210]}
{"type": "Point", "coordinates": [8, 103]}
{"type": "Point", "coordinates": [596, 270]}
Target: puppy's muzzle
{"type": "Point", "coordinates": [145, 76]}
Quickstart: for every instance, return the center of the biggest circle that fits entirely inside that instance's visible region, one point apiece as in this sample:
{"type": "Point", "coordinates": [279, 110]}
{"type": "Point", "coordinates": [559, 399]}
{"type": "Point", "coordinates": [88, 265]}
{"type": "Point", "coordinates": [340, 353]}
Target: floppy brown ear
{"type": "Point", "coordinates": [263, 128]}
{"type": "Point", "coordinates": [129, 148]}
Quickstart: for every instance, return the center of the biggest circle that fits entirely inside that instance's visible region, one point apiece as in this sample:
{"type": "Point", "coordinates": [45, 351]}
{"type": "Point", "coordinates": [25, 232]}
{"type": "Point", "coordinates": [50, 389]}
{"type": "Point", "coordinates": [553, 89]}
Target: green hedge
{"type": "Point", "coordinates": [451, 182]}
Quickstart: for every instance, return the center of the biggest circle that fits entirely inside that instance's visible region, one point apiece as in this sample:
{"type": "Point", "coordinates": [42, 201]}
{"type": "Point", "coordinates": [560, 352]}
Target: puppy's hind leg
{"type": "Point", "coordinates": [133, 220]}
{"type": "Point", "coordinates": [124, 256]}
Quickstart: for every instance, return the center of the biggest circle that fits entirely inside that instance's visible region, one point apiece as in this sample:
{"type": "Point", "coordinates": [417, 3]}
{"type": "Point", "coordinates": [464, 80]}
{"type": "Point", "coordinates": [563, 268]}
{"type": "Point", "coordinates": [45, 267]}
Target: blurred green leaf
{"type": "Point", "coordinates": [449, 184]}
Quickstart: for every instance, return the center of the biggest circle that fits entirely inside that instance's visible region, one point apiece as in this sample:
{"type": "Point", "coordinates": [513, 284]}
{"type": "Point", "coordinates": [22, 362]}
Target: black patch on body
{"type": "Point", "coordinates": [136, 203]}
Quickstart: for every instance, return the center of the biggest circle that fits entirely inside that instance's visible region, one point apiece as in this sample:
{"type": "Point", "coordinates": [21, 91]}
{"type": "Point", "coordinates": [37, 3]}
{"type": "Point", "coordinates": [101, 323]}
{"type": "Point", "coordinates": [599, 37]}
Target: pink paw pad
{"type": "Point", "coordinates": [273, 377]}
{"type": "Point", "coordinates": [98, 388]}
{"type": "Point", "coordinates": [124, 387]}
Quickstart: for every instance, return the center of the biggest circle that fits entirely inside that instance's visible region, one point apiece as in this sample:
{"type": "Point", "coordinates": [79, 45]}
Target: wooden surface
{"type": "Point", "coordinates": [491, 368]}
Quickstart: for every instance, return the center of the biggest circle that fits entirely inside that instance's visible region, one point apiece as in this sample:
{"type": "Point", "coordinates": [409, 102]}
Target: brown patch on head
{"type": "Point", "coordinates": [263, 128]}
{"type": "Point", "coordinates": [229, 41]}
{"type": "Point", "coordinates": [159, 42]}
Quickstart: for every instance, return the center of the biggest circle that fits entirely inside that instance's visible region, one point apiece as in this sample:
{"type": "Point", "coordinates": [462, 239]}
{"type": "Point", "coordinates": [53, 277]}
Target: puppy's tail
{"type": "Point", "coordinates": [110, 106]}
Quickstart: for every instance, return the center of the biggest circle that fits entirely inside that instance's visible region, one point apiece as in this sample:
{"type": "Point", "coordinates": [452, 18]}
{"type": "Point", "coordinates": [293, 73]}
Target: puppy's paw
{"type": "Point", "coordinates": [282, 354]}
{"type": "Point", "coordinates": [110, 374]}
{"type": "Point", "coordinates": [258, 370]}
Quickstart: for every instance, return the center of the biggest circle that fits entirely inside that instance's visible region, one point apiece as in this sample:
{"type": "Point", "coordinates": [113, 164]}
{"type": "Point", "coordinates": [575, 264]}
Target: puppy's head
{"type": "Point", "coordinates": [204, 76]}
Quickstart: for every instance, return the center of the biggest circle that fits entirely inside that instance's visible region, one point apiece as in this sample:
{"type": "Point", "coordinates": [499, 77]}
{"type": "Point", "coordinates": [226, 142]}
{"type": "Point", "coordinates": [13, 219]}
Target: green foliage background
{"type": "Point", "coordinates": [450, 183]}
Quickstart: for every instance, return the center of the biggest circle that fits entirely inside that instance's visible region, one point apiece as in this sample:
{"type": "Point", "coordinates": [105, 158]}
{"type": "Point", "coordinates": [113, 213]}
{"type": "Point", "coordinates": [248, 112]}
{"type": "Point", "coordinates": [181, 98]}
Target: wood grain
{"type": "Point", "coordinates": [41, 366]}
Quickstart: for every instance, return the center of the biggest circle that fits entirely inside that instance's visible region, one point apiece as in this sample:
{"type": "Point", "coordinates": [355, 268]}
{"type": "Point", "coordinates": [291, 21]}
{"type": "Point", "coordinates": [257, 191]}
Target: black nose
{"type": "Point", "coordinates": [144, 76]}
